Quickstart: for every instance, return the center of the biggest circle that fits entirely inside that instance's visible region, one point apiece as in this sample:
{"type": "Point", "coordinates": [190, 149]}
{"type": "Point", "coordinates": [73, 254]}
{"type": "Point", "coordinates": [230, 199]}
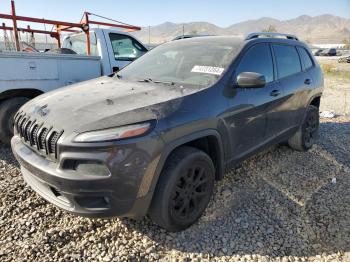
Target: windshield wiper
{"type": "Point", "coordinates": [164, 82]}
{"type": "Point", "coordinates": [150, 80]}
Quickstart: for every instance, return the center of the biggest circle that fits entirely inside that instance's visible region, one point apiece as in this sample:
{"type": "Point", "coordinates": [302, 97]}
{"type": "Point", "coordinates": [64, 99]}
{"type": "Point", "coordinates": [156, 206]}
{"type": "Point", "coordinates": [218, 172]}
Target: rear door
{"type": "Point", "coordinates": [123, 49]}
{"type": "Point", "coordinates": [295, 84]}
{"type": "Point", "coordinates": [249, 106]}
{"type": "Point", "coordinates": [307, 65]}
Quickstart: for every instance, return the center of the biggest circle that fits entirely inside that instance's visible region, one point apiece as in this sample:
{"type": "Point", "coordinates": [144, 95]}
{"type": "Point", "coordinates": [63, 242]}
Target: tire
{"type": "Point", "coordinates": [307, 134]}
{"type": "Point", "coordinates": [8, 109]}
{"type": "Point", "coordinates": [184, 189]}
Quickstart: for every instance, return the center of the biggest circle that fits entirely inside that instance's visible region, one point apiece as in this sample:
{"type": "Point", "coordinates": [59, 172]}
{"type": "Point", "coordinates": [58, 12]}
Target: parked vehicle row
{"type": "Point", "coordinates": [344, 59]}
{"type": "Point", "coordinates": [156, 136]}
{"type": "Point", "coordinates": [326, 52]}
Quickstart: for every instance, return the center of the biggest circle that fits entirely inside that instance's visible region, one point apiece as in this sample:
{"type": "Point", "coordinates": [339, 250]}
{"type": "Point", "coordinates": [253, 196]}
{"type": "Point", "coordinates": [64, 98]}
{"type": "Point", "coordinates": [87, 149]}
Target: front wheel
{"type": "Point", "coordinates": [307, 134]}
{"type": "Point", "coordinates": [8, 110]}
{"type": "Point", "coordinates": [183, 190]}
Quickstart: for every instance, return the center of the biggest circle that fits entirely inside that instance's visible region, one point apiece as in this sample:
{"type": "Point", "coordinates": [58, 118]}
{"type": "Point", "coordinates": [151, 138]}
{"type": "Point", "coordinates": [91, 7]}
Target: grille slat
{"type": "Point", "coordinates": [53, 142]}
{"type": "Point", "coordinates": [21, 125]}
{"type": "Point", "coordinates": [27, 127]}
{"type": "Point", "coordinates": [34, 134]}
{"type": "Point", "coordinates": [38, 136]}
{"type": "Point", "coordinates": [17, 122]}
{"type": "Point", "coordinates": [42, 138]}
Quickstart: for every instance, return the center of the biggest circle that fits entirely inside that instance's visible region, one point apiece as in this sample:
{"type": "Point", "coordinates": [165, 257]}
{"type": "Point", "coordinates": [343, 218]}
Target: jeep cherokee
{"type": "Point", "coordinates": [153, 138]}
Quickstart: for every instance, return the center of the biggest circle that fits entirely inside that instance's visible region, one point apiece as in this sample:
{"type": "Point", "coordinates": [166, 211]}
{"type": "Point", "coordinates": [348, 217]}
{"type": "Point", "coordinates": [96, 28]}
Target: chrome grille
{"type": "Point", "coordinates": [37, 135]}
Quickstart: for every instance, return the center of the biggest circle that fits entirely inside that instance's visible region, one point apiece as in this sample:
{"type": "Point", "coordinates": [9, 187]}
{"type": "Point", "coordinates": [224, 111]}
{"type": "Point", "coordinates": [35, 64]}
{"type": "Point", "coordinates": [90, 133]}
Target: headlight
{"type": "Point", "coordinates": [113, 133]}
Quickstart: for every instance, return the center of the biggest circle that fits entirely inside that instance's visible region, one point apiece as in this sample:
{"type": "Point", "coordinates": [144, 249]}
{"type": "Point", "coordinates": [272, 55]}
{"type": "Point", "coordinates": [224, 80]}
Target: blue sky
{"type": "Point", "coordinates": [152, 12]}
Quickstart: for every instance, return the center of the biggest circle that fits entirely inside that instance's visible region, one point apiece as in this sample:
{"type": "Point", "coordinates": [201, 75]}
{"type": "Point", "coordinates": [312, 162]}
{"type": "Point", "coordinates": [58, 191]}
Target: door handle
{"type": "Point", "coordinates": [307, 81]}
{"type": "Point", "coordinates": [275, 93]}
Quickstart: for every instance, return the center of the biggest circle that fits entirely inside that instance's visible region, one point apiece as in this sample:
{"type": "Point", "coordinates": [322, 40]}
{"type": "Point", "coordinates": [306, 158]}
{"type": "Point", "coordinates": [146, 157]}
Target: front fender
{"type": "Point", "coordinates": [170, 147]}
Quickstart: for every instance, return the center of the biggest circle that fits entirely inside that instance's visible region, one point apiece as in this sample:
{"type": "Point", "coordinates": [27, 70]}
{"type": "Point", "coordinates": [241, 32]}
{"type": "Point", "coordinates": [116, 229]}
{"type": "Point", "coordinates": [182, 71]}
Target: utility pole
{"type": "Point", "coordinates": [149, 35]}
{"type": "Point", "coordinates": [183, 29]}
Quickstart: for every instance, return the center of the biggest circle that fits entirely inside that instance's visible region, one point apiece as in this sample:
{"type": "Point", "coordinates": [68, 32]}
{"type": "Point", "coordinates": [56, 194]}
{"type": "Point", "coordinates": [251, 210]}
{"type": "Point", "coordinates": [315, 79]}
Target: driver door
{"type": "Point", "coordinates": [249, 107]}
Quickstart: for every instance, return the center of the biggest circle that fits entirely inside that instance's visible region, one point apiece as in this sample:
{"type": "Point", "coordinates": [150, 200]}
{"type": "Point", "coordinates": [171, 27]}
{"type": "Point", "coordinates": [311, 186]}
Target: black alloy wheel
{"type": "Point", "coordinates": [184, 189]}
{"type": "Point", "coordinates": [189, 194]}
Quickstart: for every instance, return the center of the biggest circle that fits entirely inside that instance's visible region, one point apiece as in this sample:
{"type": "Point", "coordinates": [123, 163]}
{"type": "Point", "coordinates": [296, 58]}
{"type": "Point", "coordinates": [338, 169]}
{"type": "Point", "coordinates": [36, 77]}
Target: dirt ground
{"type": "Point", "coordinates": [280, 205]}
{"type": "Point", "coordinates": [336, 96]}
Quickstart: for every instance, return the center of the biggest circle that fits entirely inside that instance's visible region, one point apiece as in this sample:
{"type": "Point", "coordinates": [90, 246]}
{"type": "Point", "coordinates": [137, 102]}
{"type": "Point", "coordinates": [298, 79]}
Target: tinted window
{"type": "Point", "coordinates": [287, 59]}
{"type": "Point", "coordinates": [125, 47]}
{"type": "Point", "coordinates": [305, 57]}
{"type": "Point", "coordinates": [258, 59]}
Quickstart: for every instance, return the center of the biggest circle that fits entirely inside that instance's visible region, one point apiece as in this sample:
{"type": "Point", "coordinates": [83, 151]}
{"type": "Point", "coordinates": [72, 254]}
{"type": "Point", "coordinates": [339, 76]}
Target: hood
{"type": "Point", "coordinates": [103, 103]}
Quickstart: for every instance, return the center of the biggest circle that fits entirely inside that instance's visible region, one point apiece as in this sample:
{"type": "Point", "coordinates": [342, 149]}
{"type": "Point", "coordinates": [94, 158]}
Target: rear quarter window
{"type": "Point", "coordinates": [287, 60]}
{"type": "Point", "coordinates": [305, 58]}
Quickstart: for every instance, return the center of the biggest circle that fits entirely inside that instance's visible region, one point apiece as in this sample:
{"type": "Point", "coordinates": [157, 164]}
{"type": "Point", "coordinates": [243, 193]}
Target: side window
{"type": "Point", "coordinates": [287, 59]}
{"type": "Point", "coordinates": [305, 58]}
{"type": "Point", "coordinates": [77, 43]}
{"type": "Point", "coordinates": [258, 59]}
{"type": "Point", "coordinates": [126, 48]}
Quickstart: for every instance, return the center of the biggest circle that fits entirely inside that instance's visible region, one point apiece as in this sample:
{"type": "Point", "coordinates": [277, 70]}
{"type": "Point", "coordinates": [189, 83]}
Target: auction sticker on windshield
{"type": "Point", "coordinates": [208, 70]}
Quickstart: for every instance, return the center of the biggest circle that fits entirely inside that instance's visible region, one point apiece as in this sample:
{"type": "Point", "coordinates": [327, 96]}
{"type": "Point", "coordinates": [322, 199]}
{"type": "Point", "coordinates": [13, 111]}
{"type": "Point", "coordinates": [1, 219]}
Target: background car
{"type": "Point", "coordinates": [344, 59]}
{"type": "Point", "coordinates": [318, 52]}
{"type": "Point", "coordinates": [330, 52]}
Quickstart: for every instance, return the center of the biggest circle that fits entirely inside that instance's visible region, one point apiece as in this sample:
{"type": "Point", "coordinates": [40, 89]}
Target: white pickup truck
{"type": "Point", "coordinates": [26, 75]}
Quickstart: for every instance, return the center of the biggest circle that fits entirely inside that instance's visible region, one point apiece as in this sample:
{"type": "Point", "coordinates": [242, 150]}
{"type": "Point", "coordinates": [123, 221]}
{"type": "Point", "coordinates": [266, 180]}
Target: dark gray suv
{"type": "Point", "coordinates": [153, 138]}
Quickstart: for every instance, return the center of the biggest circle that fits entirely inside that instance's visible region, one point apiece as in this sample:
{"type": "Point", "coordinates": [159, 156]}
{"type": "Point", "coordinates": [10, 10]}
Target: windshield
{"type": "Point", "coordinates": [198, 62]}
{"type": "Point", "coordinates": [77, 43]}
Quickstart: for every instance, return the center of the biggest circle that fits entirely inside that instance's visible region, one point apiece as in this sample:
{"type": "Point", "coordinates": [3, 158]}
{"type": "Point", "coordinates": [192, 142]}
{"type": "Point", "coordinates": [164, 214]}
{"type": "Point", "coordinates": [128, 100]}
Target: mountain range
{"type": "Point", "coordinates": [317, 30]}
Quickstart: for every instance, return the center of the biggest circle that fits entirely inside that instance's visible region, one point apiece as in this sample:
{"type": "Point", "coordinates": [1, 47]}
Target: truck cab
{"type": "Point", "coordinates": [115, 48]}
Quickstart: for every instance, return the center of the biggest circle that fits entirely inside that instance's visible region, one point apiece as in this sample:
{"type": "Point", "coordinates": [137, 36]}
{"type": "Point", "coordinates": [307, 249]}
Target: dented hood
{"type": "Point", "coordinates": [103, 103]}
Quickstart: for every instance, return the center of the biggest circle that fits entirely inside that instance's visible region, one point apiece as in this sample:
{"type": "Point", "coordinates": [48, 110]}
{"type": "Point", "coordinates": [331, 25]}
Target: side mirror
{"type": "Point", "coordinates": [251, 80]}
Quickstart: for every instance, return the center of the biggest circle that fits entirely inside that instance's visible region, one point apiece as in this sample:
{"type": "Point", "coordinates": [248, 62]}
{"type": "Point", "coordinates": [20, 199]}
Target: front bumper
{"type": "Point", "coordinates": [125, 192]}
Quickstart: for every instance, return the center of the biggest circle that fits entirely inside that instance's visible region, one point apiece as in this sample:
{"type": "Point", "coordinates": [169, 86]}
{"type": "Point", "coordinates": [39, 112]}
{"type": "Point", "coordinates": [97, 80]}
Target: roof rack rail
{"type": "Point", "coordinates": [270, 34]}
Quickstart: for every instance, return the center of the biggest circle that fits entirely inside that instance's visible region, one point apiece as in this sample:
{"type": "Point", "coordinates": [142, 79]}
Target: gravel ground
{"type": "Point", "coordinates": [280, 205]}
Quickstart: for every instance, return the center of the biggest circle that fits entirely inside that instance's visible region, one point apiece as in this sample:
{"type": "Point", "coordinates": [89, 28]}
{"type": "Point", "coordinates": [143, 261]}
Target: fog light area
{"type": "Point", "coordinates": [88, 167]}
{"type": "Point", "coordinates": [93, 202]}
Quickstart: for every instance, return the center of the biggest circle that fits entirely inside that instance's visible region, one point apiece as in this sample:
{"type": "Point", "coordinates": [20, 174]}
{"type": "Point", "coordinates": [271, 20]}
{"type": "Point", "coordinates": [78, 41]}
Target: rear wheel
{"type": "Point", "coordinates": [8, 109]}
{"type": "Point", "coordinates": [307, 134]}
{"type": "Point", "coordinates": [183, 190]}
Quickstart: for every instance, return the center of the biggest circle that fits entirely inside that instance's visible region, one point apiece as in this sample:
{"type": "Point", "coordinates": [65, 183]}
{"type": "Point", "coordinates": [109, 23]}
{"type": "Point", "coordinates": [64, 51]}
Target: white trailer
{"type": "Point", "coordinates": [26, 75]}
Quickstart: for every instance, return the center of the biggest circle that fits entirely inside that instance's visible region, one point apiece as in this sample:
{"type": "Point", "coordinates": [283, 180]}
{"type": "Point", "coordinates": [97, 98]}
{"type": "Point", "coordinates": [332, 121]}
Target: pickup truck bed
{"type": "Point", "coordinates": [44, 71]}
